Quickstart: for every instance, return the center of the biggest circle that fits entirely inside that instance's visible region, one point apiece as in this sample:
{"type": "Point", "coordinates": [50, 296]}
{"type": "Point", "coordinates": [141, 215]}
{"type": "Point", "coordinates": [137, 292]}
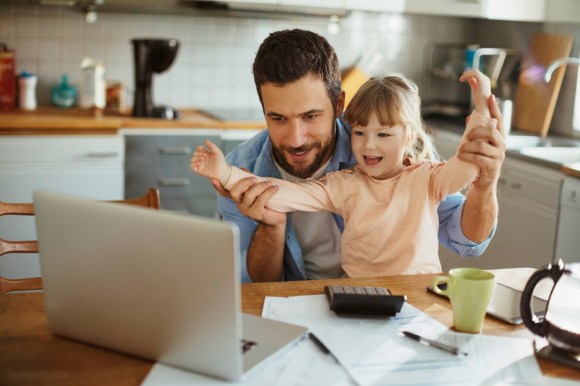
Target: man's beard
{"type": "Point", "coordinates": [308, 171]}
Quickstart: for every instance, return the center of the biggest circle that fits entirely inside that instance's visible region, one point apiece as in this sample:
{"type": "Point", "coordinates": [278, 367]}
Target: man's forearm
{"type": "Point", "coordinates": [265, 254]}
{"type": "Point", "coordinates": [479, 213]}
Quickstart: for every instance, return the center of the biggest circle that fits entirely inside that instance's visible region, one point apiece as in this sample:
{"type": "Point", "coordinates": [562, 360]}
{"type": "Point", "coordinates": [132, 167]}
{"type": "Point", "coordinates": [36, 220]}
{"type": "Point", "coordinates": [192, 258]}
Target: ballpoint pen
{"type": "Point", "coordinates": [325, 350]}
{"type": "Point", "coordinates": [434, 343]}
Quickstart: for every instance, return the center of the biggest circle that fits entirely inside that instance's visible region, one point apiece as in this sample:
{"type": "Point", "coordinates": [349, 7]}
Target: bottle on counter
{"type": "Point", "coordinates": [470, 55]}
{"type": "Point", "coordinates": [7, 78]}
{"type": "Point", "coordinates": [27, 91]}
{"type": "Point", "coordinates": [64, 95]}
{"type": "Point", "coordinates": [92, 85]}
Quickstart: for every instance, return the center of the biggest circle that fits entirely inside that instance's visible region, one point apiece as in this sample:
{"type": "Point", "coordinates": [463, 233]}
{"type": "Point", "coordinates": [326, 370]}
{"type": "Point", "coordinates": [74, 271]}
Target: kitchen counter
{"type": "Point", "coordinates": [51, 120]}
{"type": "Point", "coordinates": [518, 145]}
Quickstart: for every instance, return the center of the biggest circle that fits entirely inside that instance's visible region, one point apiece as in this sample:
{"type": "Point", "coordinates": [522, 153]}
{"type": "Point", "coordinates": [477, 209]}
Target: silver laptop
{"type": "Point", "coordinates": [152, 284]}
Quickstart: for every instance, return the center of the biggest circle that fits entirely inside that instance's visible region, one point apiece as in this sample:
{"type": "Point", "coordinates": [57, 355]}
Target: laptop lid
{"type": "Point", "coordinates": [148, 283]}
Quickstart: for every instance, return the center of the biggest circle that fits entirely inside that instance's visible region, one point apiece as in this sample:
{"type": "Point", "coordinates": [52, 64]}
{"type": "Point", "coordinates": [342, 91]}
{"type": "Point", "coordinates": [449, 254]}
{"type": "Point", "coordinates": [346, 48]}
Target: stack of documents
{"type": "Point", "coordinates": [373, 351]}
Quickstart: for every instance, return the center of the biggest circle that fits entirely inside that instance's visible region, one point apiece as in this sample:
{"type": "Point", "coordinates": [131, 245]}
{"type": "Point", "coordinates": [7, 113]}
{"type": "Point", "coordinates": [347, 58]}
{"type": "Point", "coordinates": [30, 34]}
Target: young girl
{"type": "Point", "coordinates": [389, 199]}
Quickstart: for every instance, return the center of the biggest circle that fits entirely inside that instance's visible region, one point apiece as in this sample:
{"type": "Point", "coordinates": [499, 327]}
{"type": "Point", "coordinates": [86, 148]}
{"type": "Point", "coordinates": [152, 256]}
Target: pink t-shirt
{"type": "Point", "coordinates": [390, 225]}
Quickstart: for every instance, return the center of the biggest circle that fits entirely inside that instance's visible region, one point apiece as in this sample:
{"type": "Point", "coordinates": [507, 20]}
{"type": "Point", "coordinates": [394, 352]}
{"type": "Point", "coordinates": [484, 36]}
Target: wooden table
{"type": "Point", "coordinates": [31, 355]}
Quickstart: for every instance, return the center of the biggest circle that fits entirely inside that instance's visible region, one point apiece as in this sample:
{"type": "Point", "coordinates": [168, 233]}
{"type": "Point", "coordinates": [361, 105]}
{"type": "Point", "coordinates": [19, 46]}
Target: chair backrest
{"type": "Point", "coordinates": [149, 200]}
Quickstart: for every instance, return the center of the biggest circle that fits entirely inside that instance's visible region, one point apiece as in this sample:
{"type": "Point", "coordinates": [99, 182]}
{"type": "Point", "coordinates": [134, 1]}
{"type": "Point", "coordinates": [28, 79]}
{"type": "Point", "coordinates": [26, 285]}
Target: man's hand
{"type": "Point", "coordinates": [485, 147]}
{"type": "Point", "coordinates": [251, 197]}
{"type": "Point", "coordinates": [264, 258]}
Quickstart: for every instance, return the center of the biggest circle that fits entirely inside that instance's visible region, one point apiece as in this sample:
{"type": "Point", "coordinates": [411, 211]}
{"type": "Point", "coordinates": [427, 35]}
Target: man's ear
{"type": "Point", "coordinates": [340, 103]}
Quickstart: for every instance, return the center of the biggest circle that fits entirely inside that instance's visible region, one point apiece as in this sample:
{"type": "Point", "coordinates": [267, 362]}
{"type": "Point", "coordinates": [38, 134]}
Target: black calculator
{"type": "Point", "coordinates": [362, 300]}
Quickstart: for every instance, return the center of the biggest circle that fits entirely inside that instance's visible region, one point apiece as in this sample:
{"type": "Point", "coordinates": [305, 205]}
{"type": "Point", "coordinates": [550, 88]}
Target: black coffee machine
{"type": "Point", "coordinates": [151, 56]}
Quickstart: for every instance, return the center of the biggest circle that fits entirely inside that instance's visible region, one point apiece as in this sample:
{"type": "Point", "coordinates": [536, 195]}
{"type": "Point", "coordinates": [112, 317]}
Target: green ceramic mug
{"type": "Point", "coordinates": [469, 290]}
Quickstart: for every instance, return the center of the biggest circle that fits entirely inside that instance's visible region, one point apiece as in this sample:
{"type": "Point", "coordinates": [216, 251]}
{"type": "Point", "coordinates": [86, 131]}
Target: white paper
{"type": "Point", "coordinates": [375, 352]}
{"type": "Point", "coordinates": [301, 365]}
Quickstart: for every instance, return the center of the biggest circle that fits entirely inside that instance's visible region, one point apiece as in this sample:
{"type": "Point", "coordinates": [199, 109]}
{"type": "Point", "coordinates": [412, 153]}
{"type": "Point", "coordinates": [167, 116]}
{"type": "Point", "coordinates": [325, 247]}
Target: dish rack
{"type": "Point", "coordinates": [442, 92]}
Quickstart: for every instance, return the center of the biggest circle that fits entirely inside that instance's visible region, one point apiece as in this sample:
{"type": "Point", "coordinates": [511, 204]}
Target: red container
{"type": "Point", "coordinates": [7, 80]}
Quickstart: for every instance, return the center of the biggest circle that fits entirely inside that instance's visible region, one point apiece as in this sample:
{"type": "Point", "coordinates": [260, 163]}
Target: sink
{"type": "Point", "coordinates": [559, 155]}
{"type": "Point", "coordinates": [514, 142]}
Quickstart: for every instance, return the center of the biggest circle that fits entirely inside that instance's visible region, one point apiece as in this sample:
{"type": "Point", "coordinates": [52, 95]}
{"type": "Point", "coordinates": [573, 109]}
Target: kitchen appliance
{"type": "Point", "coordinates": [151, 56]}
{"type": "Point", "coordinates": [568, 242]}
{"type": "Point", "coordinates": [561, 325]}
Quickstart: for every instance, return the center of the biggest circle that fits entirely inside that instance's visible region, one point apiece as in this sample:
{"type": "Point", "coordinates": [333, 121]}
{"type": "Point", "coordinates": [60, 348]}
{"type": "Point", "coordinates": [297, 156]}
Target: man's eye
{"type": "Point", "coordinates": [311, 116]}
{"type": "Point", "coordinates": [277, 118]}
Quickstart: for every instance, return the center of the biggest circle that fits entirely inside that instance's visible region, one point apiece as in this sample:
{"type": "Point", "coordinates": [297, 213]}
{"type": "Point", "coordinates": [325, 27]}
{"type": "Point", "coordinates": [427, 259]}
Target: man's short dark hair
{"type": "Point", "coordinates": [287, 56]}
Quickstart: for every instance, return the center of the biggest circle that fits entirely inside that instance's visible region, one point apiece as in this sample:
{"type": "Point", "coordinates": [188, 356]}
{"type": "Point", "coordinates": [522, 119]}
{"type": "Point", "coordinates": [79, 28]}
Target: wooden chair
{"type": "Point", "coordinates": [149, 200]}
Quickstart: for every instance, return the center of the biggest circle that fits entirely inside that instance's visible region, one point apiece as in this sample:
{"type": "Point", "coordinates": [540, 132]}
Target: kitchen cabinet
{"type": "Point", "coordinates": [340, 5]}
{"type": "Point", "coordinates": [528, 199]}
{"type": "Point", "coordinates": [567, 11]}
{"type": "Point", "coordinates": [517, 10]}
{"type": "Point", "coordinates": [89, 166]}
{"type": "Point", "coordinates": [161, 158]}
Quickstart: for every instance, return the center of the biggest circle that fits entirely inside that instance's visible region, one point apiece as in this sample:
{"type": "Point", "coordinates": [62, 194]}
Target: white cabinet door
{"type": "Point", "coordinates": [567, 11]}
{"type": "Point", "coordinates": [521, 10]}
{"type": "Point", "coordinates": [396, 6]}
{"type": "Point", "coordinates": [89, 166]}
{"type": "Point", "coordinates": [467, 8]}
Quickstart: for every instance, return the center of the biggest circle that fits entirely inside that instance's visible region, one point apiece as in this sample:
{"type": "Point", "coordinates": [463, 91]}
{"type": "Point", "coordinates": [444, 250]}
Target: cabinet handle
{"type": "Point", "coordinates": [175, 150]}
{"type": "Point", "coordinates": [501, 181]}
{"type": "Point", "coordinates": [174, 181]}
{"type": "Point", "coordinates": [102, 154]}
{"type": "Point", "coordinates": [516, 185]}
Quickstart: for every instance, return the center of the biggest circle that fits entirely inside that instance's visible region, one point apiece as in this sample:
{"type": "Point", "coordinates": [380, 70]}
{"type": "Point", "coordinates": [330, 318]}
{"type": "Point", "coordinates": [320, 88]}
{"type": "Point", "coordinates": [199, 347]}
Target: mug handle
{"type": "Point", "coordinates": [441, 279]}
{"type": "Point", "coordinates": [536, 325]}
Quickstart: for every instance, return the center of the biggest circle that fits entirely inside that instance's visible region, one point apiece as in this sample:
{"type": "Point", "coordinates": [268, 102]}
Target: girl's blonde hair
{"type": "Point", "coordinates": [395, 101]}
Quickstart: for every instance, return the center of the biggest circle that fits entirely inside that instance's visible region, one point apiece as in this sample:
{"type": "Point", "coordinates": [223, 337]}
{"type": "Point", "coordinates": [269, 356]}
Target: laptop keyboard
{"type": "Point", "coordinates": [247, 345]}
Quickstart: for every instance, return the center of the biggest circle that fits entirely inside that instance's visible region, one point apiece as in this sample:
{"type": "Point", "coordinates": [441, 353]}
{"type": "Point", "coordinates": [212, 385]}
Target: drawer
{"type": "Point", "coordinates": [532, 182]}
{"type": "Point", "coordinates": [198, 204]}
{"type": "Point", "coordinates": [99, 149]}
{"type": "Point", "coordinates": [167, 181]}
{"type": "Point", "coordinates": [163, 150]}
{"type": "Point", "coordinates": [544, 192]}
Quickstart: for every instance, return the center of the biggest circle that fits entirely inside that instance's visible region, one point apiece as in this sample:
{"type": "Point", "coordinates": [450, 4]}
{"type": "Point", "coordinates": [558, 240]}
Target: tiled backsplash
{"type": "Point", "coordinates": [213, 67]}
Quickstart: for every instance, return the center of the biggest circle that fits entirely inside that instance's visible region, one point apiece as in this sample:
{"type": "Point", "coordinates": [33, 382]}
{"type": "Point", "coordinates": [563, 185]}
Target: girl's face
{"type": "Point", "coordinates": [379, 150]}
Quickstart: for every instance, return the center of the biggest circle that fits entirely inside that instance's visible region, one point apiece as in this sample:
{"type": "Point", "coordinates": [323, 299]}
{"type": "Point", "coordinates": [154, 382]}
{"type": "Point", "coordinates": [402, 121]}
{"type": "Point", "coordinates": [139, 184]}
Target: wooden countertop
{"type": "Point", "coordinates": [572, 169]}
{"type": "Point", "coordinates": [51, 120]}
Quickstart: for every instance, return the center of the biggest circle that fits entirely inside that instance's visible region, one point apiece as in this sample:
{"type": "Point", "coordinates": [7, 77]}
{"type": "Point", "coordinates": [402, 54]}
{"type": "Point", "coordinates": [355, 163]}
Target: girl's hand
{"type": "Point", "coordinates": [480, 89]}
{"type": "Point", "coordinates": [210, 162]}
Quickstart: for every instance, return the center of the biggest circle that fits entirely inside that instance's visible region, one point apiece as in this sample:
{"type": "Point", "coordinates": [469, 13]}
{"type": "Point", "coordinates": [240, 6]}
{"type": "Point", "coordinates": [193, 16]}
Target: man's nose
{"type": "Point", "coordinates": [297, 135]}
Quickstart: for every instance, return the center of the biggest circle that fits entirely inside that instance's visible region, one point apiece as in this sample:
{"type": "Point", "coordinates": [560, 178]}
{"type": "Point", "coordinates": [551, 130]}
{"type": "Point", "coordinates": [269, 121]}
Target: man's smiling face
{"type": "Point", "coordinates": [301, 122]}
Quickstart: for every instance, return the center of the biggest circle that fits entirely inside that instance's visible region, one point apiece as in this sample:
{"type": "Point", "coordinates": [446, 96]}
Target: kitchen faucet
{"type": "Point", "coordinates": [557, 63]}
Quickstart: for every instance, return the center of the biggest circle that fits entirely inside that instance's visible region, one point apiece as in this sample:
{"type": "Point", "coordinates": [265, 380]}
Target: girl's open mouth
{"type": "Point", "coordinates": [372, 160]}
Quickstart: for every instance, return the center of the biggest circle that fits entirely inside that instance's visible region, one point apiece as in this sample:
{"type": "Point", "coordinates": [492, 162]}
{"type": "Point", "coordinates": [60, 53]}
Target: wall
{"type": "Point", "coordinates": [213, 67]}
